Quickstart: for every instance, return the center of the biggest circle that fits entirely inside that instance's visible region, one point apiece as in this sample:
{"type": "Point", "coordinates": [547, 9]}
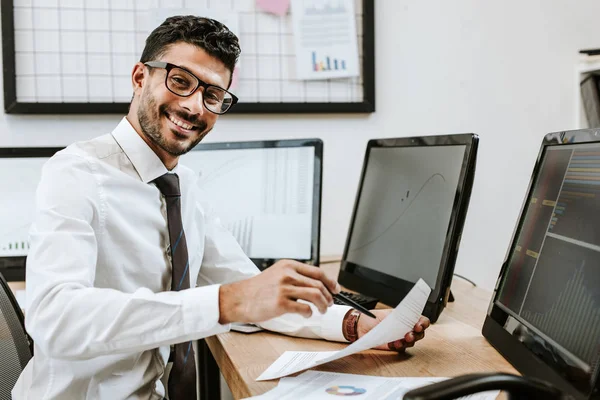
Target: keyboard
{"type": "Point", "coordinates": [366, 301]}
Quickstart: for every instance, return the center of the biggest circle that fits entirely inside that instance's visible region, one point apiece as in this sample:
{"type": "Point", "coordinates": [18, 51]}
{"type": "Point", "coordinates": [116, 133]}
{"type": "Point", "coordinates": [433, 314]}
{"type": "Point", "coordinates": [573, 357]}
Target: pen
{"type": "Point", "coordinates": [353, 304]}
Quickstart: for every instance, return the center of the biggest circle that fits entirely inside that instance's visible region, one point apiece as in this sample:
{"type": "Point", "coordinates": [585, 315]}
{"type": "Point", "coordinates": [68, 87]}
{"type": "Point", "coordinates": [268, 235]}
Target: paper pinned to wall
{"type": "Point", "coordinates": [277, 7]}
{"type": "Point", "coordinates": [235, 78]}
{"type": "Point", "coordinates": [325, 39]}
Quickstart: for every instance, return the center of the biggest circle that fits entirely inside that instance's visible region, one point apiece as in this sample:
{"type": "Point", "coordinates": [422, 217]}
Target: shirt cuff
{"type": "Point", "coordinates": [331, 325]}
{"type": "Point", "coordinates": [201, 311]}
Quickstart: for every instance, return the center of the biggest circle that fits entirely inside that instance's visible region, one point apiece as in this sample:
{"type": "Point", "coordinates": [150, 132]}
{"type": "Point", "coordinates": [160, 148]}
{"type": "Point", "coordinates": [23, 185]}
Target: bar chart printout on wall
{"type": "Point", "coordinates": [17, 203]}
{"type": "Point", "coordinates": [263, 196]}
{"type": "Point", "coordinates": [557, 247]}
{"type": "Point", "coordinates": [325, 39]}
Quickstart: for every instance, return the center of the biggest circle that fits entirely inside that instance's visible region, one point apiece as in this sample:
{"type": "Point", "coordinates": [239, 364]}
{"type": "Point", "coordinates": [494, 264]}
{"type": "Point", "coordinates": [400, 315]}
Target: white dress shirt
{"type": "Point", "coordinates": [99, 308]}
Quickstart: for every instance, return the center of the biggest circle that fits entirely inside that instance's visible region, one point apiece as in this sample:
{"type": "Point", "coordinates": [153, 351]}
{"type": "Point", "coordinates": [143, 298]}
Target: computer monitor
{"type": "Point", "coordinates": [408, 217]}
{"type": "Point", "coordinates": [544, 316]}
{"type": "Point", "coordinates": [267, 193]}
{"type": "Point", "coordinates": [20, 173]}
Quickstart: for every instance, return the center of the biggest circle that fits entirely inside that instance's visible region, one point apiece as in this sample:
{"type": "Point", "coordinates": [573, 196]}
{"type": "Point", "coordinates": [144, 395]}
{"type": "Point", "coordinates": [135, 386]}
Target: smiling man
{"type": "Point", "coordinates": [128, 266]}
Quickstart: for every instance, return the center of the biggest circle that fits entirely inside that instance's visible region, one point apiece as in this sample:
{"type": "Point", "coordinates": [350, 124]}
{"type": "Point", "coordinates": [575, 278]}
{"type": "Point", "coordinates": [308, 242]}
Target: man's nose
{"type": "Point", "coordinates": [194, 103]}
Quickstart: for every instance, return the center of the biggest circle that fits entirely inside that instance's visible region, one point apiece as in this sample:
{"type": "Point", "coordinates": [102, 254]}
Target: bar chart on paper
{"type": "Point", "coordinates": [15, 247]}
{"type": "Point", "coordinates": [327, 63]}
{"type": "Point", "coordinates": [17, 204]}
{"type": "Point", "coordinates": [325, 40]}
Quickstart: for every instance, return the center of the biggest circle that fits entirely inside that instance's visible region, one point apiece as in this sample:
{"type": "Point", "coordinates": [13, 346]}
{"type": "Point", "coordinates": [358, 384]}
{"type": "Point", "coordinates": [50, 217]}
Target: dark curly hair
{"type": "Point", "coordinates": [208, 34]}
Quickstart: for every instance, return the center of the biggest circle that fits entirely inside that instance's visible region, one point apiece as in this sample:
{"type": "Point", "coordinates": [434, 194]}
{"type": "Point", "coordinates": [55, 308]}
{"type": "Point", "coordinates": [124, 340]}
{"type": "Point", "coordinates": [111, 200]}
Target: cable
{"type": "Point", "coordinates": [466, 279]}
{"type": "Point", "coordinates": [328, 261]}
{"type": "Point", "coordinates": [457, 275]}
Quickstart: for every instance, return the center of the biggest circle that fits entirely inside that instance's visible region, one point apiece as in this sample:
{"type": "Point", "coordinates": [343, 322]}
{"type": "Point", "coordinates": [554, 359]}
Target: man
{"type": "Point", "coordinates": [128, 267]}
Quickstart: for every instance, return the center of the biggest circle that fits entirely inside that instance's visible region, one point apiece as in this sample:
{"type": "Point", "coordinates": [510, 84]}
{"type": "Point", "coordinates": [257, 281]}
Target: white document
{"type": "Point", "coordinates": [325, 39]}
{"type": "Point", "coordinates": [316, 385]}
{"type": "Point", "coordinates": [397, 324]}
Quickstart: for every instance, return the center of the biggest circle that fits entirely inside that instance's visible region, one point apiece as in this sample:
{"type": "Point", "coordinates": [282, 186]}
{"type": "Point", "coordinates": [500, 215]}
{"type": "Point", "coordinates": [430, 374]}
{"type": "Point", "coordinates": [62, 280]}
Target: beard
{"type": "Point", "coordinates": [149, 117]}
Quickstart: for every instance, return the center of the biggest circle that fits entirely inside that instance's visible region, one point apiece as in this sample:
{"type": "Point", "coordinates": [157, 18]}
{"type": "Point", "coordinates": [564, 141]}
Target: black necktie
{"type": "Point", "coordinates": [182, 380]}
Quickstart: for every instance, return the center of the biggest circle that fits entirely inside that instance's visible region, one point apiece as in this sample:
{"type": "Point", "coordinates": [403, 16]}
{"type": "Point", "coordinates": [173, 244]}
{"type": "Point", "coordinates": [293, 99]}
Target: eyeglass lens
{"type": "Point", "coordinates": [183, 83]}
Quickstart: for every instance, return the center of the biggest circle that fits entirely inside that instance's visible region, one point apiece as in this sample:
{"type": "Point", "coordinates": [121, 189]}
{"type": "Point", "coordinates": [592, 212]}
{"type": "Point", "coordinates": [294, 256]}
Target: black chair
{"type": "Point", "coordinates": [516, 387]}
{"type": "Point", "coordinates": [15, 344]}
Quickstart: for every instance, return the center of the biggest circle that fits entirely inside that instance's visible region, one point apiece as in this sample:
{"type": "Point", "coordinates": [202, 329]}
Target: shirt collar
{"type": "Point", "coordinates": [144, 159]}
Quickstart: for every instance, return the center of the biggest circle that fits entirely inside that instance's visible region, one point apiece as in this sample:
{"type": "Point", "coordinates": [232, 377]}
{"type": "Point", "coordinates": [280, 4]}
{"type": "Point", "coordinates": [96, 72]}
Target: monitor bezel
{"type": "Point", "coordinates": [495, 328]}
{"type": "Point", "coordinates": [13, 267]}
{"type": "Point", "coordinates": [317, 145]}
{"type": "Point", "coordinates": [390, 290]}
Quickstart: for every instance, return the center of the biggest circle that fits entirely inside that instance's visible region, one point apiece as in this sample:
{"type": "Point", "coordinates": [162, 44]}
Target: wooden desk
{"type": "Point", "coordinates": [14, 286]}
{"type": "Point", "coordinates": [453, 346]}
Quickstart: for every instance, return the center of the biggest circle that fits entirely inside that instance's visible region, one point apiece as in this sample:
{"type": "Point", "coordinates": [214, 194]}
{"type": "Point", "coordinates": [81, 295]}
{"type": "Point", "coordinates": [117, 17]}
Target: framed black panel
{"type": "Point", "coordinates": [14, 104]}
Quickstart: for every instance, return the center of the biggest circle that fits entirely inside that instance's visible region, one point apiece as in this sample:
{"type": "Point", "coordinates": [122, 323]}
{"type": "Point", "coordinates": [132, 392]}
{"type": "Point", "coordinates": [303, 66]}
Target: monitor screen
{"type": "Point", "coordinates": [266, 193]}
{"type": "Point", "coordinates": [548, 296]}
{"type": "Point", "coordinates": [404, 210]}
{"type": "Point", "coordinates": [408, 215]}
{"type": "Point", "coordinates": [20, 173]}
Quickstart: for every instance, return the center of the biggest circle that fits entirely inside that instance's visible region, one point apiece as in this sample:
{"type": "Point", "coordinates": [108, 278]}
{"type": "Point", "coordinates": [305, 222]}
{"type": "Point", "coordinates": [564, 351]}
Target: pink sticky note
{"type": "Point", "coordinates": [234, 77]}
{"type": "Point", "coordinates": [278, 7]}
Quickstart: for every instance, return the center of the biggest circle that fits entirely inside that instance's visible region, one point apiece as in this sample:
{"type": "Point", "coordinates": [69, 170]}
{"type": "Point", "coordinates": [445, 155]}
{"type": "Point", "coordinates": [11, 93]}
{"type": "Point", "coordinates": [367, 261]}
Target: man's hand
{"type": "Point", "coordinates": [365, 324]}
{"type": "Point", "coordinates": [275, 291]}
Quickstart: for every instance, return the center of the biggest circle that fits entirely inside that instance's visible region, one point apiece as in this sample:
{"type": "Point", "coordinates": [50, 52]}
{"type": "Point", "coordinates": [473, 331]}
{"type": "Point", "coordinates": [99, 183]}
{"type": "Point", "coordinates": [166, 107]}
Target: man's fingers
{"type": "Point", "coordinates": [299, 308]}
{"type": "Point", "coordinates": [316, 273]}
{"type": "Point", "coordinates": [397, 345]}
{"type": "Point", "coordinates": [302, 280]}
{"type": "Point", "coordinates": [423, 322]}
{"type": "Point", "coordinates": [311, 295]}
{"type": "Point", "coordinates": [412, 337]}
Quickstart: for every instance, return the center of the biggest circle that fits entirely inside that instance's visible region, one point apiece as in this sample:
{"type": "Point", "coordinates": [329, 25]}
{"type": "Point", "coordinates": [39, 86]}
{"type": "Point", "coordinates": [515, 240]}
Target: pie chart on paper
{"type": "Point", "coordinates": [345, 391]}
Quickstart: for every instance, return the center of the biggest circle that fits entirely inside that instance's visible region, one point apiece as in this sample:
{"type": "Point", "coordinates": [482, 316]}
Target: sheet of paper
{"type": "Point", "coordinates": [316, 385]}
{"type": "Point", "coordinates": [277, 7]}
{"type": "Point", "coordinates": [399, 322]}
{"type": "Point", "coordinates": [325, 39]}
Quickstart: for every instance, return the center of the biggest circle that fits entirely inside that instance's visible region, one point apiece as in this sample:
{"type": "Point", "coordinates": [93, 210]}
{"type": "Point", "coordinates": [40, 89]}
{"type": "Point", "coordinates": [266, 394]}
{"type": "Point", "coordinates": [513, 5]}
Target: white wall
{"type": "Point", "coordinates": [502, 69]}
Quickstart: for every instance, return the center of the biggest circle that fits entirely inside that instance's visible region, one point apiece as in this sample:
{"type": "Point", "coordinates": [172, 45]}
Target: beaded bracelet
{"type": "Point", "coordinates": [350, 325]}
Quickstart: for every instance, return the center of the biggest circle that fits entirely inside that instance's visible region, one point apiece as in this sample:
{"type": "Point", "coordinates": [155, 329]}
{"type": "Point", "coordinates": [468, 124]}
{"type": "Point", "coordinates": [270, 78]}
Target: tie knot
{"type": "Point", "coordinates": [168, 184]}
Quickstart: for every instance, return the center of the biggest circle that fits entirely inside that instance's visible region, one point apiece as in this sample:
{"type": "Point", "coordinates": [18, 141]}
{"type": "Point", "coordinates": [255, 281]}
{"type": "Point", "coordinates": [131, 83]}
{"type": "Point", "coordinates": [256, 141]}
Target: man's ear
{"type": "Point", "coordinates": [138, 77]}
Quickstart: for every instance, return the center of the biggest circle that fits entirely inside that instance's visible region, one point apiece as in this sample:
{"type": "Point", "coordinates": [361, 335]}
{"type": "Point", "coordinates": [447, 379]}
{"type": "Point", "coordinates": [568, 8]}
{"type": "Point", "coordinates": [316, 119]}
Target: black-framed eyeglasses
{"type": "Point", "coordinates": [183, 83]}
